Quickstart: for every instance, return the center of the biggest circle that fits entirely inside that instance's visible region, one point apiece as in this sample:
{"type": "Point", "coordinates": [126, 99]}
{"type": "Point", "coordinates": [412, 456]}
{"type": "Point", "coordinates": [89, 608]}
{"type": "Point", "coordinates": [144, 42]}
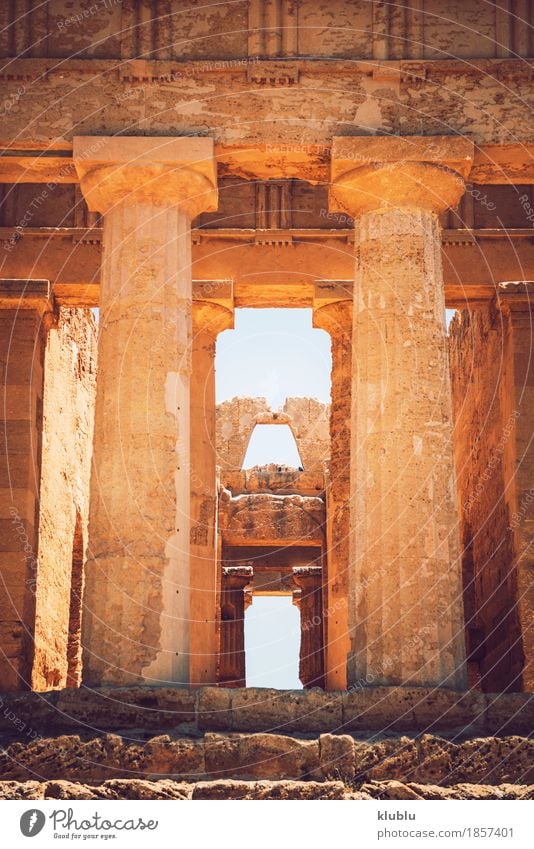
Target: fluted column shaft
{"type": "Point", "coordinates": [336, 319]}
{"type": "Point", "coordinates": [137, 597]}
{"type": "Point", "coordinates": [405, 611]}
{"type": "Point", "coordinates": [311, 656]}
{"type": "Point", "coordinates": [208, 321]}
{"type": "Point", "coordinates": [232, 665]}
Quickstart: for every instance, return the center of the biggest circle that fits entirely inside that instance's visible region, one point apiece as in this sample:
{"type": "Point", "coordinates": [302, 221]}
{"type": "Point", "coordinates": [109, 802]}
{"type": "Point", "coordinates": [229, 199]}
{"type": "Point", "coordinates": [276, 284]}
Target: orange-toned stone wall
{"type": "Point", "coordinates": [68, 410]}
{"type": "Point", "coordinates": [22, 341]}
{"type": "Point", "coordinates": [485, 419]}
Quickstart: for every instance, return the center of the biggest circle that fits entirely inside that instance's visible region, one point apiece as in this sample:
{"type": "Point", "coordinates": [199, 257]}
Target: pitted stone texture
{"type": "Point", "coordinates": [272, 519]}
{"type": "Point", "coordinates": [336, 319]}
{"type": "Point", "coordinates": [256, 709]}
{"type": "Point", "coordinates": [307, 418]}
{"type": "Point", "coordinates": [139, 789]}
{"type": "Point", "coordinates": [269, 790]}
{"type": "Point", "coordinates": [405, 585]}
{"type": "Point", "coordinates": [136, 604]}
{"type": "Point", "coordinates": [364, 710]}
{"type": "Point", "coordinates": [427, 760]}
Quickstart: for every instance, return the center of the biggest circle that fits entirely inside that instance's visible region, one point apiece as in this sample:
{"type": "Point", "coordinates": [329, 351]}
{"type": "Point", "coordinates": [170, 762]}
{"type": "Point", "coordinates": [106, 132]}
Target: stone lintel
{"type": "Point", "coordinates": [213, 305]}
{"type": "Point", "coordinates": [160, 171]}
{"type": "Point", "coordinates": [27, 295]}
{"type": "Point", "coordinates": [516, 295]}
{"type": "Point", "coordinates": [391, 172]}
{"type": "Point", "coordinates": [331, 292]}
{"type": "Point", "coordinates": [493, 164]}
{"type": "Point", "coordinates": [237, 577]}
{"type": "Point", "coordinates": [307, 576]}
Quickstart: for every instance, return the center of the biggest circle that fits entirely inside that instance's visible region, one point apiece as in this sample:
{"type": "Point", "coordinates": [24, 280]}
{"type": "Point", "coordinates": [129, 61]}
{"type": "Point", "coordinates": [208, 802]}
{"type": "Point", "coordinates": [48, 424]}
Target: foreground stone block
{"type": "Point", "coordinates": [269, 790]}
{"type": "Point", "coordinates": [337, 756]}
{"type": "Point", "coordinates": [135, 707]}
{"type": "Point", "coordinates": [379, 708]}
{"type": "Point", "coordinates": [214, 711]}
{"type": "Point", "coordinates": [256, 709]}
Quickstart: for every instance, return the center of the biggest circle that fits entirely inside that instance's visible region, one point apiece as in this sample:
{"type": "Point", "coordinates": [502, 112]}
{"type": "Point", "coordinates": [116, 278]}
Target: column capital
{"type": "Point", "coordinates": [237, 577]}
{"type": "Point", "coordinates": [335, 317]}
{"type": "Point", "coordinates": [211, 318]}
{"type": "Point", "coordinates": [382, 173]}
{"type": "Point", "coordinates": [213, 306]}
{"type": "Point", "coordinates": [517, 299]}
{"type": "Point", "coordinates": [160, 171]}
{"type": "Point", "coordinates": [307, 577]}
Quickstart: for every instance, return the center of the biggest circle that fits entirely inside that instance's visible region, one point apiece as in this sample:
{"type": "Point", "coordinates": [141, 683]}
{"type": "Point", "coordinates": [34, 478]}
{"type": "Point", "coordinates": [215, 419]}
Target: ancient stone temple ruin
{"type": "Point", "coordinates": [169, 164]}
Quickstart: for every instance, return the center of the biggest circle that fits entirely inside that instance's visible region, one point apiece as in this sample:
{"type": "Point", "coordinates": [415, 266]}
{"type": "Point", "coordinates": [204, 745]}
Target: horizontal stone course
{"type": "Point", "coordinates": [265, 756]}
{"type": "Point", "coordinates": [365, 711]}
{"type": "Point", "coordinates": [140, 789]}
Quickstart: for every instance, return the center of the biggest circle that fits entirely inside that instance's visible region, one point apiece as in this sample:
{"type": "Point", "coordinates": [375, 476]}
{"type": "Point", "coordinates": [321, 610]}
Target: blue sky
{"type": "Point", "coordinates": [275, 354]}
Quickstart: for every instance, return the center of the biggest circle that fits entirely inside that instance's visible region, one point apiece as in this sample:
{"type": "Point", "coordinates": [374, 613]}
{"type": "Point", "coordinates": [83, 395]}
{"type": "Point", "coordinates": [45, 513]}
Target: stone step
{"type": "Point", "coordinates": [362, 711]}
{"type": "Point", "coordinates": [229, 789]}
{"type": "Point", "coordinates": [427, 759]}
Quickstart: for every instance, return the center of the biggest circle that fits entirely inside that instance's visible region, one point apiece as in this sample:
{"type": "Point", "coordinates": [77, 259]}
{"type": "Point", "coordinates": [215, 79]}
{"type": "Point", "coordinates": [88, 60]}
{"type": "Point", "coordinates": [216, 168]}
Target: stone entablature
{"type": "Point", "coordinates": [273, 478]}
{"type": "Point", "coordinates": [252, 28]}
{"type": "Point", "coordinates": [268, 519]}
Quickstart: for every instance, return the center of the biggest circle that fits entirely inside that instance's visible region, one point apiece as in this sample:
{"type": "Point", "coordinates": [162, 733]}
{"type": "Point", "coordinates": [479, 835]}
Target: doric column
{"type": "Point", "coordinates": [336, 319]}
{"type": "Point", "coordinates": [311, 667]}
{"type": "Point", "coordinates": [405, 588]}
{"type": "Point", "coordinates": [232, 670]}
{"type": "Point", "coordinates": [516, 301]}
{"type": "Point", "coordinates": [136, 602]}
{"type": "Point", "coordinates": [209, 319]}
{"type": "Point", "coordinates": [26, 314]}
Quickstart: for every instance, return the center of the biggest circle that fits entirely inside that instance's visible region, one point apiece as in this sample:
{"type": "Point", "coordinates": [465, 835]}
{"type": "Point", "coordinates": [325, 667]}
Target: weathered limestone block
{"type": "Point", "coordinates": [268, 790]}
{"type": "Point", "coordinates": [275, 479]}
{"type": "Point", "coordinates": [261, 756]}
{"type": "Point", "coordinates": [337, 756]}
{"type": "Point", "coordinates": [214, 711]}
{"type": "Point", "coordinates": [273, 519]}
{"type": "Point", "coordinates": [258, 709]}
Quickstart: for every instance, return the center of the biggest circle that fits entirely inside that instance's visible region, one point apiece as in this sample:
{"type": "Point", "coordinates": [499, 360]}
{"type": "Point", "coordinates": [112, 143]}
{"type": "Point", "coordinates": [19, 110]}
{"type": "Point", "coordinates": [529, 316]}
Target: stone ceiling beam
{"type": "Point", "coordinates": [492, 164]}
